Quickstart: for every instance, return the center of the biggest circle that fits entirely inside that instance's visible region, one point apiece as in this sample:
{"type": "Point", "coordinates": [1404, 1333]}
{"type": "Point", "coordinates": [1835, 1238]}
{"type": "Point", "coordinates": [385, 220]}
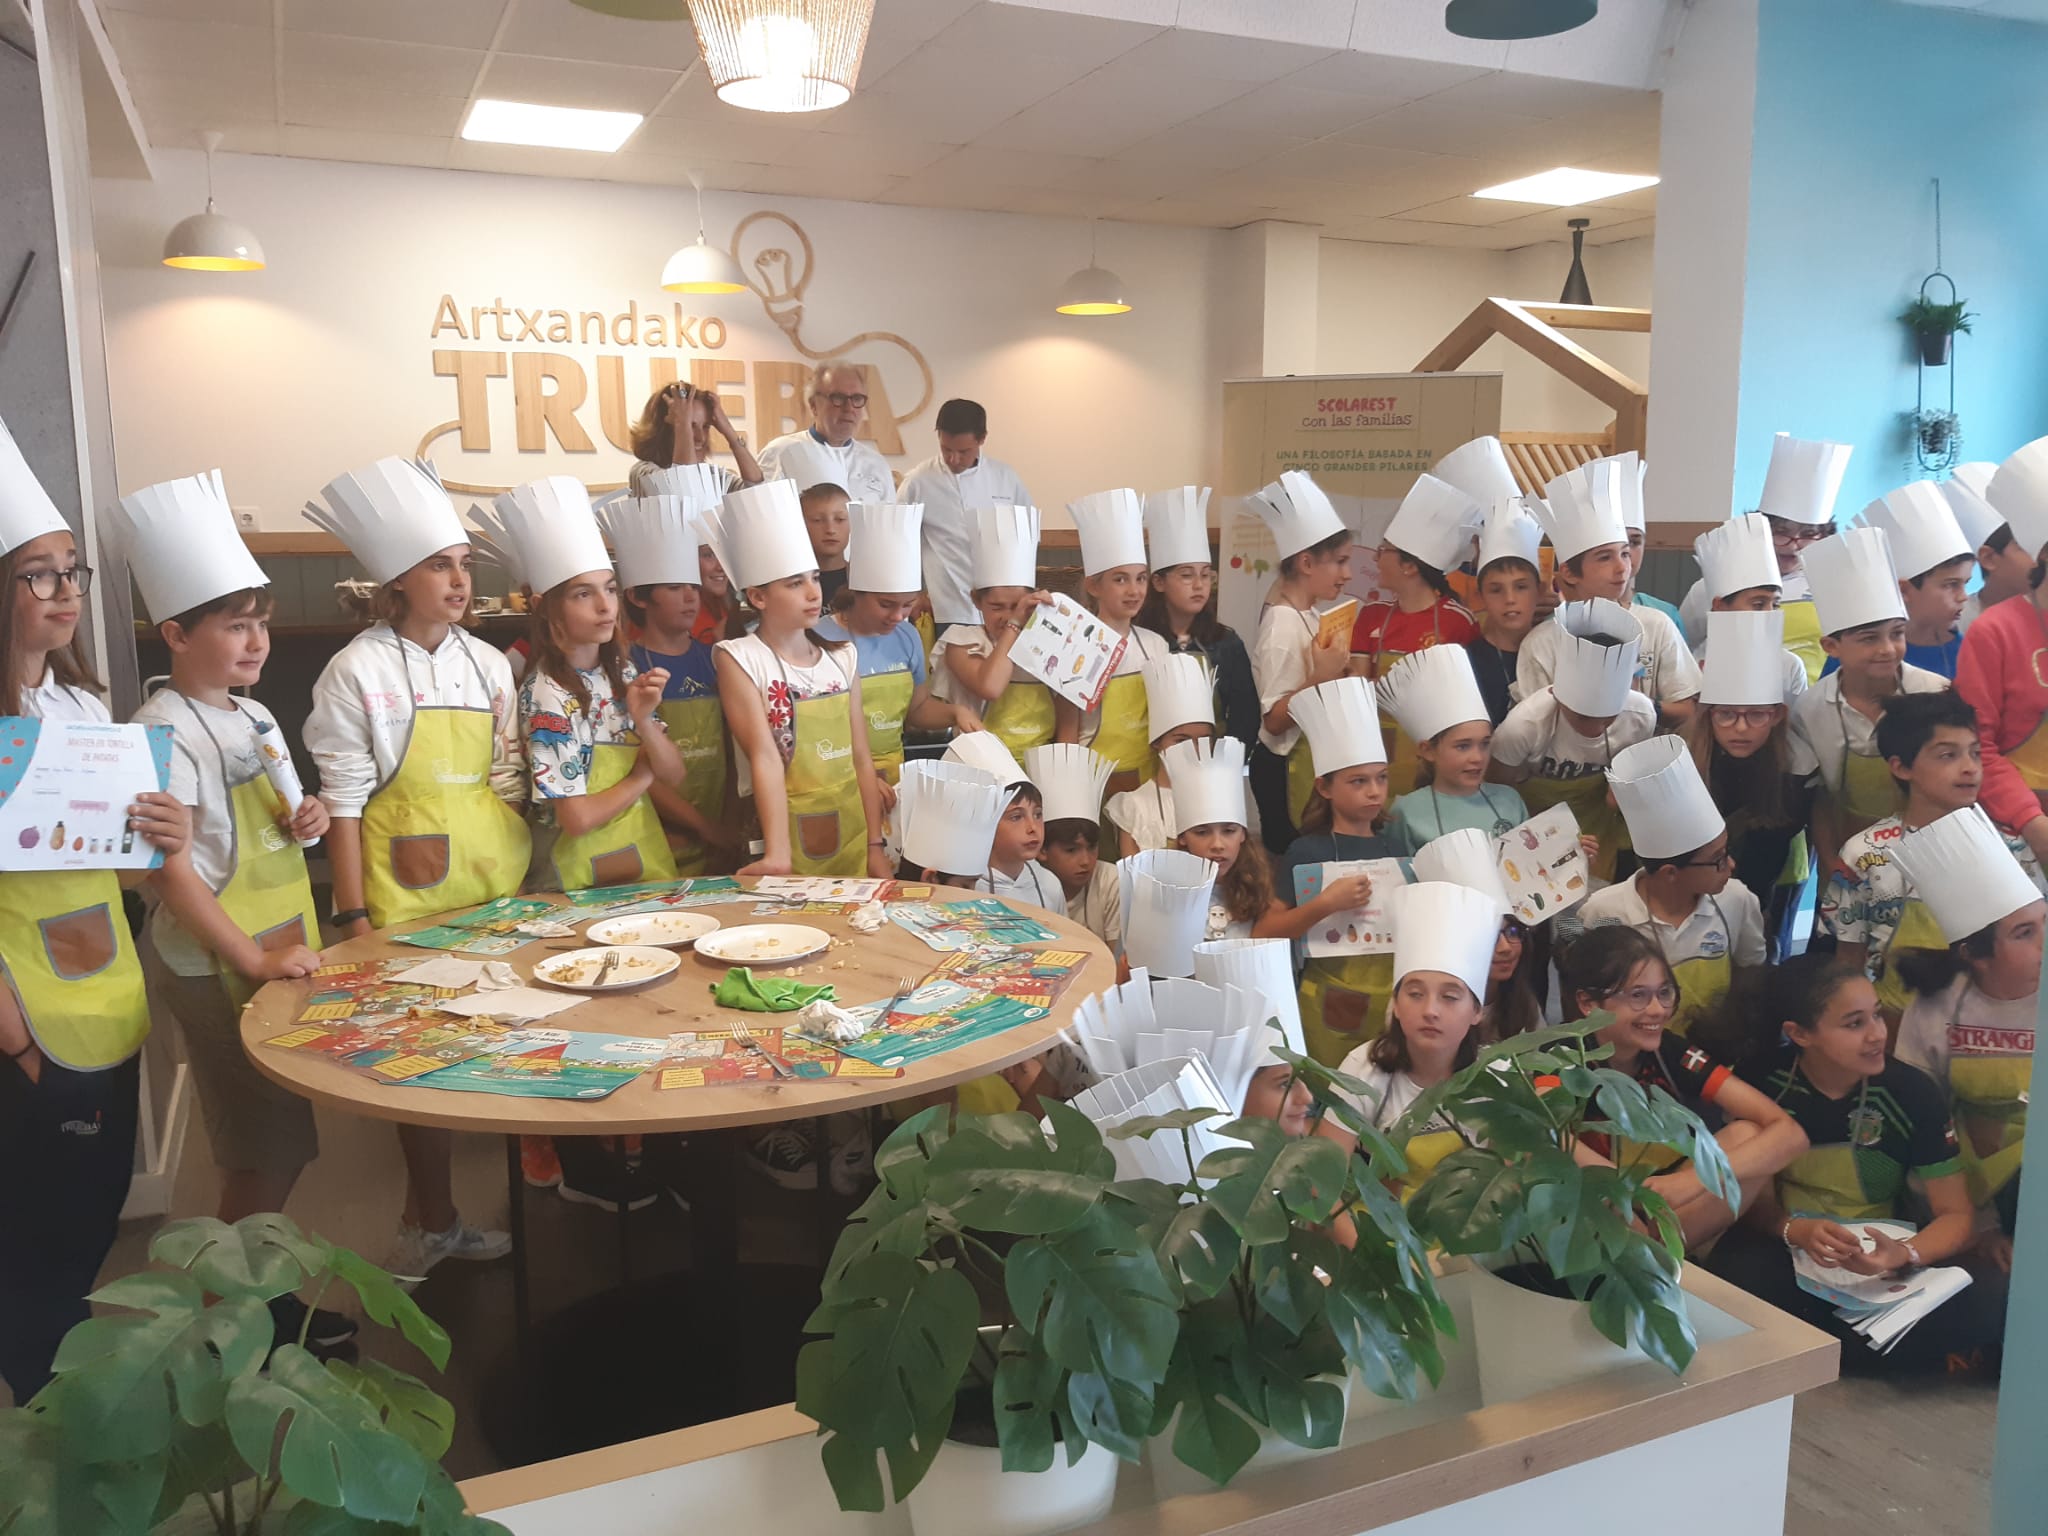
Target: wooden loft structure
{"type": "Point", "coordinates": [1538, 329]}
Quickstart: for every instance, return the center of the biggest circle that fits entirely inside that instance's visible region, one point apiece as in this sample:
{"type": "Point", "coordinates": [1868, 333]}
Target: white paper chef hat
{"type": "Point", "coordinates": [1919, 526]}
{"type": "Point", "coordinates": [2019, 494]}
{"type": "Point", "coordinates": [1803, 480]}
{"type": "Point", "coordinates": [1297, 512]}
{"type": "Point", "coordinates": [1582, 508]}
{"type": "Point", "coordinates": [700, 486]}
{"type": "Point", "coordinates": [653, 539]}
{"type": "Point", "coordinates": [985, 750]}
{"type": "Point", "coordinates": [181, 544]}
{"type": "Point", "coordinates": [1341, 719]}
{"type": "Point", "coordinates": [1443, 927]}
{"type": "Point", "coordinates": [1429, 691]}
{"type": "Point", "coordinates": [1166, 908]}
{"type": "Point", "coordinates": [543, 533]}
{"type": "Point", "coordinates": [1663, 799]}
{"type": "Point", "coordinates": [1965, 488]}
{"type": "Point", "coordinates": [1745, 659]}
{"type": "Point", "coordinates": [1737, 555]}
{"type": "Point", "coordinates": [1481, 470]}
{"type": "Point", "coordinates": [1961, 868]}
{"type": "Point", "coordinates": [1634, 472]}
{"type": "Point", "coordinates": [1262, 966]}
{"type": "Point", "coordinates": [1158, 1088]}
{"type": "Point", "coordinates": [1590, 678]}
{"type": "Point", "coordinates": [391, 514]}
{"type": "Point", "coordinates": [1464, 857]}
{"type": "Point", "coordinates": [947, 815]}
{"type": "Point", "coordinates": [1070, 779]}
{"type": "Point", "coordinates": [1435, 523]}
{"type": "Point", "coordinates": [1178, 691]}
{"type": "Point", "coordinates": [1510, 532]}
{"type": "Point", "coordinates": [1177, 527]}
{"type": "Point", "coordinates": [26, 511]}
{"type": "Point", "coordinates": [1853, 580]}
{"type": "Point", "coordinates": [1112, 529]}
{"type": "Point", "coordinates": [1153, 1019]}
{"type": "Point", "coordinates": [883, 553]}
{"type": "Point", "coordinates": [758, 534]}
{"type": "Point", "coordinates": [1213, 787]}
{"type": "Point", "coordinates": [1003, 546]}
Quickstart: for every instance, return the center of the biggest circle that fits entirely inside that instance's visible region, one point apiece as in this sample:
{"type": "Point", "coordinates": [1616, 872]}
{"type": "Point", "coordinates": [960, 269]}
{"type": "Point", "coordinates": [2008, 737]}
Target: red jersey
{"type": "Point", "coordinates": [1384, 633]}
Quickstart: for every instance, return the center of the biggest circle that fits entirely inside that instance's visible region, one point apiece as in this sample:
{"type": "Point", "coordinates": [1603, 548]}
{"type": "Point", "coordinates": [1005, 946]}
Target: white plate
{"type": "Point", "coordinates": [576, 970]}
{"type": "Point", "coordinates": [665, 930]}
{"type": "Point", "coordinates": [764, 944]}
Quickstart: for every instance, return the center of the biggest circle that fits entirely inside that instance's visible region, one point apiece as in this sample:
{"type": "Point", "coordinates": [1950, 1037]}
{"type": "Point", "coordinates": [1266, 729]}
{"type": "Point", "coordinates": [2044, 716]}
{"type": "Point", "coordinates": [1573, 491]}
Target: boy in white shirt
{"type": "Point", "coordinates": [1071, 778]}
{"type": "Point", "coordinates": [1011, 871]}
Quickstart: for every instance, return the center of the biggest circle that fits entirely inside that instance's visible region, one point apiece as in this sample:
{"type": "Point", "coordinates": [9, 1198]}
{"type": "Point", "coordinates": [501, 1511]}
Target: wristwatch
{"type": "Point", "coordinates": [353, 914]}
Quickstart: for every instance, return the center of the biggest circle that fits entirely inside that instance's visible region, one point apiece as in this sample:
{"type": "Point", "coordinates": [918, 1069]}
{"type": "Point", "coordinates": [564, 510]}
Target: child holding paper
{"type": "Point", "coordinates": [972, 661]}
{"type": "Point", "coordinates": [1469, 857]}
{"type": "Point", "coordinates": [1182, 605]}
{"type": "Point", "coordinates": [1435, 700]}
{"type": "Point", "coordinates": [75, 1011]}
{"type": "Point", "coordinates": [1116, 579]}
{"type": "Point", "coordinates": [1343, 997]}
{"type": "Point", "coordinates": [1179, 705]}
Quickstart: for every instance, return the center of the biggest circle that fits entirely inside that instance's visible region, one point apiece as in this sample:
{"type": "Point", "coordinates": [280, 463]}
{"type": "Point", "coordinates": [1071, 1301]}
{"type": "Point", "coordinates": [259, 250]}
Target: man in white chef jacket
{"type": "Point", "coordinates": [953, 484]}
{"type": "Point", "coordinates": [826, 452]}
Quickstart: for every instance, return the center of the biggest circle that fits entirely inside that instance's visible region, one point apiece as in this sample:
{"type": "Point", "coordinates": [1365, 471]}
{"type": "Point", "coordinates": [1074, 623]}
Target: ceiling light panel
{"type": "Point", "coordinates": [525, 122]}
{"type": "Point", "coordinates": [1566, 187]}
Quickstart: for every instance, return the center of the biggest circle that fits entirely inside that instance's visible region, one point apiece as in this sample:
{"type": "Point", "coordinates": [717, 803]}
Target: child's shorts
{"type": "Point", "coordinates": [252, 1124]}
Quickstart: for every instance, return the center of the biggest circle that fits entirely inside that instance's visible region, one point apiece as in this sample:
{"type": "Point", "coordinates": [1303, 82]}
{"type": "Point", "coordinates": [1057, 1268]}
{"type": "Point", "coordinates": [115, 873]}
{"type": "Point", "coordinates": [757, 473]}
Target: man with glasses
{"type": "Point", "coordinates": [827, 450]}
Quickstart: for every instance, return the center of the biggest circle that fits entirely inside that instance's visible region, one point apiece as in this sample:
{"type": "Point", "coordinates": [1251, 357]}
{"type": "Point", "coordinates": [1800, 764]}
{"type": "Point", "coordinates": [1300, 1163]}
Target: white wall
{"type": "Point", "coordinates": [1385, 306]}
{"type": "Point", "coordinates": [325, 360]}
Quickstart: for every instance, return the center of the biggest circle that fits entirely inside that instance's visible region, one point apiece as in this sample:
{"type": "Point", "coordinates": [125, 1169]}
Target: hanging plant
{"type": "Point", "coordinates": [1935, 326]}
{"type": "Point", "coordinates": [1937, 437]}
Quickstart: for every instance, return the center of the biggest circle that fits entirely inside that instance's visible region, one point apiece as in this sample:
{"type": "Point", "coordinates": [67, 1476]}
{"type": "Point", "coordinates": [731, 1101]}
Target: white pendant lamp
{"type": "Point", "coordinates": [702, 268]}
{"type": "Point", "coordinates": [782, 55]}
{"type": "Point", "coordinates": [1093, 290]}
{"type": "Point", "coordinates": [212, 242]}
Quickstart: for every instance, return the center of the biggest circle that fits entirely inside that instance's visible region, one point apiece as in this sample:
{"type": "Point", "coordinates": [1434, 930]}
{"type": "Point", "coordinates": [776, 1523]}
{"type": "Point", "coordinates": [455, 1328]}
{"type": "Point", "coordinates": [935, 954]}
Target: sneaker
{"type": "Point", "coordinates": [610, 1186]}
{"type": "Point", "coordinates": [329, 1330]}
{"type": "Point", "coordinates": [538, 1164]}
{"type": "Point", "coordinates": [852, 1162]}
{"type": "Point", "coordinates": [786, 1154]}
{"type": "Point", "coordinates": [418, 1250]}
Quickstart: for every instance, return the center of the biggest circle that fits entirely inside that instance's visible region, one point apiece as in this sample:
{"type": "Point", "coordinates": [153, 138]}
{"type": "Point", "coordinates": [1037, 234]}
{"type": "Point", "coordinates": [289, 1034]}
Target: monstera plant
{"type": "Point", "coordinates": [164, 1415]}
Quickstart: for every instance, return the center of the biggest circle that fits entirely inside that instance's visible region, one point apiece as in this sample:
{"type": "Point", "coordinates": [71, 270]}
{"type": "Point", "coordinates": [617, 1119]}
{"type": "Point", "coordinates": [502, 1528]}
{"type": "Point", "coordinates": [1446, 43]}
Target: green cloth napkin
{"type": "Point", "coordinates": [741, 988]}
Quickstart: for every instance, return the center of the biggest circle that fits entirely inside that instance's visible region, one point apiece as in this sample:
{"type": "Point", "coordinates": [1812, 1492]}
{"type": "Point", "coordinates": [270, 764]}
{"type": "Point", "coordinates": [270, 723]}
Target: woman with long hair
{"type": "Point", "coordinates": [675, 427]}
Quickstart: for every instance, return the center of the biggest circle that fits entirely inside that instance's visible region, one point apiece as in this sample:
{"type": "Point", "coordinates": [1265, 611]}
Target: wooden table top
{"type": "Point", "coordinates": [867, 969]}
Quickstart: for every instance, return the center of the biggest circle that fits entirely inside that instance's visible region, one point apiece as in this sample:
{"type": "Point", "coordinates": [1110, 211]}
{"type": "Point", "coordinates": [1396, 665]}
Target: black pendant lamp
{"type": "Point", "coordinates": [1576, 289]}
{"type": "Point", "coordinates": [1514, 20]}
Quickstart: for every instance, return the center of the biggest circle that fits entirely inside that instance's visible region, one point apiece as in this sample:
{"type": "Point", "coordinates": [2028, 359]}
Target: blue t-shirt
{"type": "Point", "coordinates": [899, 650]}
{"type": "Point", "coordinates": [692, 675]}
{"type": "Point", "coordinates": [1935, 658]}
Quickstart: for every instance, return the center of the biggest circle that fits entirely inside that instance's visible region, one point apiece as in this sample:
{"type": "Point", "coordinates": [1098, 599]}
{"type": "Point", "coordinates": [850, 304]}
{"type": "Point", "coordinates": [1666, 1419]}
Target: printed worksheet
{"type": "Point", "coordinates": [1068, 649]}
{"type": "Point", "coordinates": [65, 789]}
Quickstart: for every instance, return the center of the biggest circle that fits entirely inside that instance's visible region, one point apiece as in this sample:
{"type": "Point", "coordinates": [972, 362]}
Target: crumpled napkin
{"type": "Point", "coordinates": [741, 988]}
{"type": "Point", "coordinates": [497, 975]}
{"type": "Point", "coordinates": [868, 916]}
{"type": "Point", "coordinates": [823, 1020]}
{"type": "Point", "coordinates": [545, 928]}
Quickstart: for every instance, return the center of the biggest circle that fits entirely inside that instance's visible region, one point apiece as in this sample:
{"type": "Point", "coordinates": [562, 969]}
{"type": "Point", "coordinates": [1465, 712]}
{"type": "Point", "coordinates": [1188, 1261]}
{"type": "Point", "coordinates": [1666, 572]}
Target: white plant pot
{"type": "Point", "coordinates": [1172, 1477]}
{"type": "Point", "coordinates": [967, 1493]}
{"type": "Point", "coordinates": [1529, 1343]}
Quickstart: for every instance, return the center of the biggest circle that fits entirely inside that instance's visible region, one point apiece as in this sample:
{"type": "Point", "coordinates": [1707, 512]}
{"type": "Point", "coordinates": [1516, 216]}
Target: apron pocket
{"type": "Point", "coordinates": [418, 863]}
{"type": "Point", "coordinates": [79, 944]}
{"type": "Point", "coordinates": [817, 834]}
{"type": "Point", "coordinates": [284, 936]}
{"type": "Point", "coordinates": [1351, 1013]}
{"type": "Point", "coordinates": [622, 866]}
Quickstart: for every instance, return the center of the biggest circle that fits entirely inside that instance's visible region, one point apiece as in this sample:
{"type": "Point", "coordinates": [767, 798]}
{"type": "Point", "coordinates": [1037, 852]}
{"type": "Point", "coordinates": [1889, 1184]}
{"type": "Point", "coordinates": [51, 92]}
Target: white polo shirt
{"type": "Point", "coordinates": [1730, 924]}
{"type": "Point", "coordinates": [1820, 722]}
{"type": "Point", "coordinates": [1665, 669]}
{"type": "Point", "coordinates": [949, 502]}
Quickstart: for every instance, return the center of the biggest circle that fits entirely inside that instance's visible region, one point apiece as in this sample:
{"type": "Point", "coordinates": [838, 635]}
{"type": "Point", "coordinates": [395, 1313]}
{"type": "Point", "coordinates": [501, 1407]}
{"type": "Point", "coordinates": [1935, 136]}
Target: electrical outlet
{"type": "Point", "coordinates": [245, 519]}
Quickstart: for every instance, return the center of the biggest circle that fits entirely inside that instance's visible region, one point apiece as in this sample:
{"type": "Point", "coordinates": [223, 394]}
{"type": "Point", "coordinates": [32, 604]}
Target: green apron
{"type": "Point", "coordinates": [697, 727]}
{"type": "Point", "coordinates": [885, 700]}
{"type": "Point", "coordinates": [628, 849]}
{"type": "Point", "coordinates": [66, 951]}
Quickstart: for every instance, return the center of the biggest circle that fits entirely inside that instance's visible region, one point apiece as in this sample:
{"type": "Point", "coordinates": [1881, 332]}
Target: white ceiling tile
{"type": "Point", "coordinates": [575, 83]}
{"type": "Point", "coordinates": [977, 165]}
{"type": "Point", "coordinates": [1372, 74]}
{"type": "Point", "coordinates": [1214, 56]}
{"type": "Point", "coordinates": [367, 147]}
{"type": "Point", "coordinates": [1105, 113]}
{"type": "Point", "coordinates": [745, 138]}
{"type": "Point", "coordinates": [551, 30]}
{"type": "Point", "coordinates": [1552, 223]}
{"type": "Point", "coordinates": [1323, 23]}
{"type": "Point", "coordinates": [452, 23]}
{"type": "Point", "coordinates": [315, 58]}
{"type": "Point", "coordinates": [1283, 107]}
{"type": "Point", "coordinates": [1614, 234]}
{"type": "Point", "coordinates": [524, 160]}
{"type": "Point", "coordinates": [1436, 130]}
{"type": "Point", "coordinates": [213, 98]}
{"type": "Point", "coordinates": [1356, 165]}
{"type": "Point", "coordinates": [1160, 13]}
{"type": "Point", "coordinates": [389, 112]}
{"type": "Point", "coordinates": [901, 27]}
{"type": "Point", "coordinates": [246, 13]}
{"type": "Point", "coordinates": [1475, 211]}
{"type": "Point", "coordinates": [1533, 95]}
{"type": "Point", "coordinates": [245, 139]}
{"type": "Point", "coordinates": [157, 45]}
{"type": "Point", "coordinates": [1208, 149]}
{"type": "Point", "coordinates": [1123, 179]}
{"type": "Point", "coordinates": [997, 31]}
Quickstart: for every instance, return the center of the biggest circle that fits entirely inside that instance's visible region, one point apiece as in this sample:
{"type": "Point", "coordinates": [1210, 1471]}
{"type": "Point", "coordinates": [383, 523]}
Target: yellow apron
{"type": "Point", "coordinates": [1423, 1153]}
{"type": "Point", "coordinates": [434, 836]}
{"type": "Point", "coordinates": [1702, 982]}
{"type": "Point", "coordinates": [885, 699]}
{"type": "Point", "coordinates": [1916, 929]}
{"type": "Point", "coordinates": [1868, 791]}
{"type": "Point", "coordinates": [66, 951]}
{"type": "Point", "coordinates": [1124, 733]}
{"type": "Point", "coordinates": [626, 850]}
{"type": "Point", "coordinates": [268, 894]}
{"type": "Point", "coordinates": [1822, 1181]}
{"type": "Point", "coordinates": [1587, 796]}
{"type": "Point", "coordinates": [1990, 1102]}
{"type": "Point", "coordinates": [697, 727]}
{"type": "Point", "coordinates": [827, 822]}
{"type": "Point", "coordinates": [1020, 717]}
{"type": "Point", "coordinates": [1301, 778]}
{"type": "Point", "coordinates": [2031, 758]}
{"type": "Point", "coordinates": [1802, 637]}
{"type": "Point", "coordinates": [1344, 1004]}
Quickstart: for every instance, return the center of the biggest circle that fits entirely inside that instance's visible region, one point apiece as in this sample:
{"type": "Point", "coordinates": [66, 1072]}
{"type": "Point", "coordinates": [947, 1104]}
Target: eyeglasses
{"type": "Point", "coordinates": [46, 584]}
{"type": "Point", "coordinates": [1800, 533]}
{"type": "Point", "coordinates": [1514, 929]}
{"type": "Point", "coordinates": [858, 402]}
{"type": "Point", "coordinates": [1640, 998]}
{"type": "Point", "coordinates": [1730, 714]}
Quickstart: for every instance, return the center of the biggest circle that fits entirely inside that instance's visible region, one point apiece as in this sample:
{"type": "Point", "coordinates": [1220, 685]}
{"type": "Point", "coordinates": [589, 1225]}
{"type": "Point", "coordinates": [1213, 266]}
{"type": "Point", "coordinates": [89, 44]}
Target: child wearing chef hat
{"type": "Point", "coordinates": [1834, 723]}
{"type": "Point", "coordinates": [594, 746]}
{"type": "Point", "coordinates": [1469, 856]}
{"type": "Point", "coordinates": [972, 661]}
{"type": "Point", "coordinates": [1739, 574]}
{"type": "Point", "coordinates": [1071, 779]}
{"type": "Point", "coordinates": [1935, 562]}
{"type": "Point", "coordinates": [1431, 533]}
{"type": "Point", "coordinates": [1181, 605]}
{"type": "Point", "coordinates": [1291, 652]}
{"type": "Point", "coordinates": [1443, 954]}
{"type": "Point", "coordinates": [1434, 698]}
{"type": "Point", "coordinates": [1180, 705]}
{"type": "Point", "coordinates": [2003, 564]}
{"type": "Point", "coordinates": [1708, 925]}
{"type": "Point", "coordinates": [1011, 871]}
{"type": "Point", "coordinates": [1585, 519]}
{"type": "Point", "coordinates": [1510, 584]}
{"type": "Point", "coordinates": [1210, 820]}
{"type": "Point", "coordinates": [1116, 578]}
